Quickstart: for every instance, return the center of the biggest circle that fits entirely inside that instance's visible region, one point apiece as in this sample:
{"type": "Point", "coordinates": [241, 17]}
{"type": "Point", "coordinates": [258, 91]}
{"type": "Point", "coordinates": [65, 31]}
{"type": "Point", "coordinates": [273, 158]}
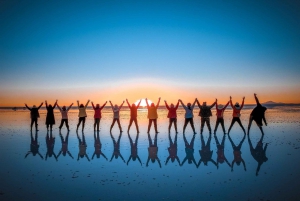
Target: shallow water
{"type": "Point", "coordinates": [40, 178]}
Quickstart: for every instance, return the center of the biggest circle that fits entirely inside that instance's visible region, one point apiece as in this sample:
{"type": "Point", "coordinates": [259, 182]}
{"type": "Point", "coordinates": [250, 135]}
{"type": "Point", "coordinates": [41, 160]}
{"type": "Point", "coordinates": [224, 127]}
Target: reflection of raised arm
{"type": "Point", "coordinates": [27, 154]}
{"type": "Point", "coordinates": [232, 165]}
{"type": "Point", "coordinates": [158, 102]}
{"type": "Point", "coordinates": [103, 105]}
{"type": "Point", "coordinates": [214, 162]}
{"type": "Point", "coordinates": [129, 159]}
{"type": "Point", "coordinates": [227, 162]}
{"type": "Point", "coordinates": [168, 158]}
{"type": "Point", "coordinates": [128, 103]}
{"type": "Point", "coordinates": [139, 160]}
{"type": "Point", "coordinates": [177, 158]}
{"type": "Point", "coordinates": [103, 155]}
{"type": "Point", "coordinates": [59, 153]}
{"type": "Point", "coordinates": [40, 155]}
{"type": "Point", "coordinates": [148, 161]}
{"type": "Point", "coordinates": [264, 118]}
{"type": "Point", "coordinates": [70, 154]}
{"type": "Point", "coordinates": [244, 164]}
{"type": "Point", "coordinates": [87, 157]}
{"type": "Point", "coordinates": [183, 161]}
{"type": "Point", "coordinates": [122, 157]}
{"type": "Point", "coordinates": [158, 161]}
{"type": "Point", "coordinates": [199, 163]}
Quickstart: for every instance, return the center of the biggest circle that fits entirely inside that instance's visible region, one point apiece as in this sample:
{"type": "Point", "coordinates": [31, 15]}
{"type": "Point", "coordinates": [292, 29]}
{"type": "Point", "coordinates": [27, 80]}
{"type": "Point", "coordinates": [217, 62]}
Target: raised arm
{"type": "Point", "coordinates": [40, 105]}
{"type": "Point", "coordinates": [93, 105]}
{"type": "Point", "coordinates": [214, 104]}
{"type": "Point", "coordinates": [231, 102]}
{"type": "Point", "coordinates": [27, 107]}
{"type": "Point", "coordinates": [146, 99]}
{"type": "Point", "coordinates": [226, 105]}
{"type": "Point", "coordinates": [183, 105]}
{"type": "Point", "coordinates": [194, 103]}
{"type": "Point", "coordinates": [138, 104]}
{"type": "Point", "coordinates": [59, 110]}
{"type": "Point", "coordinates": [46, 104]}
{"type": "Point", "coordinates": [69, 107]}
{"type": "Point", "coordinates": [167, 106]}
{"type": "Point", "coordinates": [176, 107]}
{"type": "Point", "coordinates": [128, 103]}
{"type": "Point", "coordinates": [121, 105]}
{"type": "Point", "coordinates": [112, 107]}
{"type": "Point", "coordinates": [87, 103]}
{"type": "Point", "coordinates": [55, 104]}
{"type": "Point", "coordinates": [78, 104]}
{"type": "Point", "coordinates": [199, 105]}
{"type": "Point", "coordinates": [256, 99]}
{"type": "Point", "coordinates": [158, 102]}
{"type": "Point", "coordinates": [103, 105]}
{"type": "Point", "coordinates": [243, 102]}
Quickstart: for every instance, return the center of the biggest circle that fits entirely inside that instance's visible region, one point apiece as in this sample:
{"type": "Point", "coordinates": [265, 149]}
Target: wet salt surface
{"type": "Point", "coordinates": [34, 178]}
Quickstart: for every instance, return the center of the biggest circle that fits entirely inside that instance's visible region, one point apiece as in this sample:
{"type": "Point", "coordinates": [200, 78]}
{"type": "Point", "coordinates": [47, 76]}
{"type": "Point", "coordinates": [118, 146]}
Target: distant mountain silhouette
{"type": "Point", "coordinates": [272, 103]}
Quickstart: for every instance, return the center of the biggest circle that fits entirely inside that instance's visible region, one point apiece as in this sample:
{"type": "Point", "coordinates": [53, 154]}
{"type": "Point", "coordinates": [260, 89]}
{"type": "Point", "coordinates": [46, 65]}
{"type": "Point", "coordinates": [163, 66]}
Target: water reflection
{"type": "Point", "coordinates": [152, 150]}
{"type": "Point", "coordinates": [220, 153]}
{"type": "Point", "coordinates": [189, 150]}
{"type": "Point", "coordinates": [34, 146]}
{"type": "Point", "coordinates": [64, 145]}
{"type": "Point", "coordinates": [205, 152]}
{"type": "Point", "coordinates": [97, 146]}
{"type": "Point", "coordinates": [134, 150]}
{"type": "Point", "coordinates": [172, 149]}
{"type": "Point", "coordinates": [82, 147]}
{"type": "Point", "coordinates": [258, 153]}
{"type": "Point", "coordinates": [237, 154]}
{"type": "Point", "coordinates": [50, 142]}
{"type": "Point", "coordinates": [116, 152]}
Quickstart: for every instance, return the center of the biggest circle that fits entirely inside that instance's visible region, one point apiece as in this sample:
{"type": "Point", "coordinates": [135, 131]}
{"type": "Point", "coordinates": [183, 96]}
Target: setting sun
{"type": "Point", "coordinates": [143, 102]}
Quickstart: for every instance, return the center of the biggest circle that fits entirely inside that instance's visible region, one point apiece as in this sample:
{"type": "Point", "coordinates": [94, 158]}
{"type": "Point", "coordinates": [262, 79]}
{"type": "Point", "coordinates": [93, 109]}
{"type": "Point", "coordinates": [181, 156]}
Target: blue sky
{"type": "Point", "coordinates": [72, 44]}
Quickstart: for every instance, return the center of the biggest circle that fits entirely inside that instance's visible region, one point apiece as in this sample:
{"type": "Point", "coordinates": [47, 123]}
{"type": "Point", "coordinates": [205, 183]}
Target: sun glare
{"type": "Point", "coordinates": [143, 102]}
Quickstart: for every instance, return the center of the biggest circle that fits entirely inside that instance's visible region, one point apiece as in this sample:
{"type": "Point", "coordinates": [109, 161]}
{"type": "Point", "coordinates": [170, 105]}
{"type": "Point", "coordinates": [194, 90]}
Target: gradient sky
{"type": "Point", "coordinates": [112, 50]}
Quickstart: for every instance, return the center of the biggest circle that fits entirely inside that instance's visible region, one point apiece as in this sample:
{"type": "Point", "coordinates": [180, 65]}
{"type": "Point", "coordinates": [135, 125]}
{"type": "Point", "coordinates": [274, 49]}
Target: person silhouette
{"type": "Point", "coordinates": [259, 152]}
{"type": "Point", "coordinates": [50, 142]}
{"type": "Point", "coordinates": [82, 114]}
{"type": "Point", "coordinates": [220, 119]}
{"type": "Point", "coordinates": [34, 146]}
{"type": "Point", "coordinates": [133, 115]}
{"type": "Point", "coordinates": [50, 120]}
{"type": "Point", "coordinates": [205, 152]}
{"type": "Point", "coordinates": [188, 115]}
{"type": "Point", "coordinates": [97, 115]}
{"type": "Point", "coordinates": [220, 152]}
{"type": "Point", "coordinates": [64, 145]}
{"type": "Point", "coordinates": [236, 114]}
{"type": "Point", "coordinates": [116, 152]}
{"type": "Point", "coordinates": [34, 115]}
{"type": "Point", "coordinates": [189, 151]}
{"type": "Point", "coordinates": [172, 115]}
{"type": "Point", "coordinates": [98, 146]}
{"type": "Point", "coordinates": [258, 114]}
{"type": "Point", "coordinates": [152, 150]}
{"type": "Point", "coordinates": [237, 153]}
{"type": "Point", "coordinates": [134, 150]}
{"type": "Point", "coordinates": [116, 109]}
{"type": "Point", "coordinates": [172, 149]}
{"type": "Point", "coordinates": [205, 114]}
{"type": "Point", "coordinates": [82, 147]}
{"type": "Point", "coordinates": [64, 116]}
{"type": "Point", "coordinates": [152, 114]}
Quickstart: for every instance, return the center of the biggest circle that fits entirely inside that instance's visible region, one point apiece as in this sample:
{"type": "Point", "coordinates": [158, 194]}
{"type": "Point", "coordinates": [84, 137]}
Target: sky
{"type": "Point", "coordinates": [113, 50]}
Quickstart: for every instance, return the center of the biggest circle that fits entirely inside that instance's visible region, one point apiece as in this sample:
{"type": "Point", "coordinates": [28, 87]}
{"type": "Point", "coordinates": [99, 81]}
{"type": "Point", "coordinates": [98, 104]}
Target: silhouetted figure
{"type": "Point", "coordinates": [152, 114]}
{"type": "Point", "coordinates": [220, 119]}
{"type": "Point", "coordinates": [188, 115]}
{"type": "Point", "coordinates": [236, 114]}
{"type": "Point", "coordinates": [259, 153]}
{"type": "Point", "coordinates": [34, 146]}
{"type": "Point", "coordinates": [152, 150]}
{"type": "Point", "coordinates": [205, 114]}
{"type": "Point", "coordinates": [172, 115]}
{"type": "Point", "coordinates": [116, 109]}
{"type": "Point", "coordinates": [116, 153]}
{"type": "Point", "coordinates": [50, 120]}
{"type": "Point", "coordinates": [64, 145]}
{"type": "Point", "coordinates": [97, 115]}
{"type": "Point", "coordinates": [64, 116]}
{"type": "Point", "coordinates": [82, 147]}
{"type": "Point", "coordinates": [237, 153]}
{"type": "Point", "coordinates": [98, 146]}
{"type": "Point", "coordinates": [258, 114]}
{"type": "Point", "coordinates": [133, 115]}
{"type": "Point", "coordinates": [50, 142]}
{"type": "Point", "coordinates": [205, 152]}
{"type": "Point", "coordinates": [82, 114]}
{"type": "Point", "coordinates": [220, 153]}
{"type": "Point", "coordinates": [34, 115]}
{"type": "Point", "coordinates": [189, 151]}
{"type": "Point", "coordinates": [172, 149]}
{"type": "Point", "coordinates": [134, 149]}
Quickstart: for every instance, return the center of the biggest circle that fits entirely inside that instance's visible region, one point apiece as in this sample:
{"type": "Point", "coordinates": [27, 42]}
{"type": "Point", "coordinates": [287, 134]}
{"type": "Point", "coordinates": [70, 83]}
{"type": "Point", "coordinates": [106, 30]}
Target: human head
{"type": "Point", "coordinates": [34, 106]}
{"type": "Point", "coordinates": [173, 159]}
{"type": "Point", "coordinates": [221, 160]}
{"type": "Point", "coordinates": [172, 105]}
{"type": "Point", "coordinates": [116, 106]}
{"type": "Point", "coordinates": [50, 105]}
{"type": "Point", "coordinates": [189, 104]}
{"type": "Point", "coordinates": [152, 105]}
{"type": "Point", "coordinates": [133, 105]}
{"type": "Point", "coordinates": [64, 108]}
{"type": "Point", "coordinates": [220, 106]}
{"type": "Point", "coordinates": [133, 158]}
{"type": "Point", "coordinates": [97, 105]}
{"type": "Point", "coordinates": [204, 103]}
{"type": "Point", "coordinates": [237, 104]}
{"type": "Point", "coordinates": [152, 160]}
{"type": "Point", "coordinates": [81, 105]}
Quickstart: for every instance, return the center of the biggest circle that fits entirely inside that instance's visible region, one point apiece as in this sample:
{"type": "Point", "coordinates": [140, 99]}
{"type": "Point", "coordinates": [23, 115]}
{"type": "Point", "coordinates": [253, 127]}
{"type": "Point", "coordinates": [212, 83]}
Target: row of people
{"type": "Point", "coordinates": [258, 153]}
{"type": "Point", "coordinates": [258, 114]}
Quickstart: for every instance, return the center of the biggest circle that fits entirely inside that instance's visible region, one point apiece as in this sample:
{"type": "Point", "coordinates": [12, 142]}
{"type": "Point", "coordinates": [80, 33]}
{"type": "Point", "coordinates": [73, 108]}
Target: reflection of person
{"type": "Point", "coordinates": [34, 115]}
{"type": "Point", "coordinates": [98, 146]}
{"type": "Point", "coordinates": [205, 152]}
{"type": "Point", "coordinates": [133, 115]}
{"type": "Point", "coordinates": [221, 156]}
{"type": "Point", "coordinates": [82, 114]}
{"type": "Point", "coordinates": [189, 151]}
{"type": "Point", "coordinates": [116, 153]}
{"type": "Point", "coordinates": [259, 153]}
{"type": "Point", "coordinates": [152, 150]}
{"type": "Point", "coordinates": [97, 115]}
{"type": "Point", "coordinates": [188, 115]}
{"type": "Point", "coordinates": [116, 109]}
{"type": "Point", "coordinates": [172, 149]}
{"type": "Point", "coordinates": [220, 111]}
{"type": "Point", "coordinates": [82, 147]}
{"type": "Point", "coordinates": [205, 114]}
{"type": "Point", "coordinates": [64, 145]}
{"type": "Point", "coordinates": [134, 150]}
{"type": "Point", "coordinates": [172, 115]}
{"type": "Point", "coordinates": [64, 116]}
{"type": "Point", "coordinates": [50, 142]}
{"type": "Point", "coordinates": [50, 120]}
{"type": "Point", "coordinates": [258, 114]}
{"type": "Point", "coordinates": [237, 153]}
{"type": "Point", "coordinates": [152, 114]}
{"type": "Point", "coordinates": [34, 146]}
{"type": "Point", "coordinates": [236, 114]}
